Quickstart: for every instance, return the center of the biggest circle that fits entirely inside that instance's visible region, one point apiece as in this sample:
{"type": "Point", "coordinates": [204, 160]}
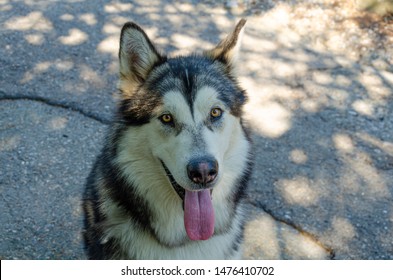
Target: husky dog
{"type": "Point", "coordinates": [171, 178]}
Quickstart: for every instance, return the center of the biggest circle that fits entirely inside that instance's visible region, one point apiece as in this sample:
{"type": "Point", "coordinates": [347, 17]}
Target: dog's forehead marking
{"type": "Point", "coordinates": [188, 79]}
{"type": "Point", "coordinates": [189, 90]}
{"type": "Point", "coordinates": [175, 102]}
{"type": "Point", "coordinates": [196, 112]}
{"type": "Point", "coordinates": [206, 98]}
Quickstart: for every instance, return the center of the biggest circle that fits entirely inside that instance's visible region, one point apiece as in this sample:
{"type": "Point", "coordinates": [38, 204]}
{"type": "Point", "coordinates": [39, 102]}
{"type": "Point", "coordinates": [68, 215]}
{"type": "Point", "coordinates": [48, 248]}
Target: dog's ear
{"type": "Point", "coordinates": [137, 56]}
{"type": "Point", "coordinates": [227, 50]}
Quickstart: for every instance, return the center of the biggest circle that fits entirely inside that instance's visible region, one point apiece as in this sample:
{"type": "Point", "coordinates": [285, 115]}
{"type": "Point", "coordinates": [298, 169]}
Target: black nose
{"type": "Point", "coordinates": [202, 170]}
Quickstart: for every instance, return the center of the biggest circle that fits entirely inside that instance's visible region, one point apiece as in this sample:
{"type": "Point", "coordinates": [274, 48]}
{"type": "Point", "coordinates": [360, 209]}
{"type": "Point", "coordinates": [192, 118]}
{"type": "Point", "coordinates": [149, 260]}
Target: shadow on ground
{"type": "Point", "coordinates": [322, 186]}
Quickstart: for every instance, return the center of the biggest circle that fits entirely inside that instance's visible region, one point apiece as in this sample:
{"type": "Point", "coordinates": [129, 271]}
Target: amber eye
{"type": "Point", "coordinates": [166, 119]}
{"type": "Point", "coordinates": [216, 113]}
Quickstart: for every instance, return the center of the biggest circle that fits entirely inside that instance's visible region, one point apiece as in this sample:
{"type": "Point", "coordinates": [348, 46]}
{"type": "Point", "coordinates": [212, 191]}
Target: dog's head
{"type": "Point", "coordinates": [189, 109]}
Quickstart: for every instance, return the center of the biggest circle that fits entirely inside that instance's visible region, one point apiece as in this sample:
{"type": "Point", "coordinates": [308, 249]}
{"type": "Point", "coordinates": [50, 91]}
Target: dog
{"type": "Point", "coordinates": [171, 180]}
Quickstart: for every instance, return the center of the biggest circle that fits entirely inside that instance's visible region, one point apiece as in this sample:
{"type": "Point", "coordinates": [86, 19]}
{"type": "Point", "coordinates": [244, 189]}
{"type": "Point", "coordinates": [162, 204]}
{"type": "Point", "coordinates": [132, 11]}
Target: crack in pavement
{"type": "Point", "coordinates": [72, 107]}
{"type": "Point", "coordinates": [329, 250]}
{"type": "Point", "coordinates": [53, 103]}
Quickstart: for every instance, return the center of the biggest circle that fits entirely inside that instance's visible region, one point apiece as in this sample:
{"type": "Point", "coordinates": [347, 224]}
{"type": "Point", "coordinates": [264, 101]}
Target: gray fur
{"type": "Point", "coordinates": [132, 207]}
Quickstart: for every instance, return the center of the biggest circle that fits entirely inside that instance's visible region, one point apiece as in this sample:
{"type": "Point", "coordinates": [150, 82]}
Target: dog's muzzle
{"type": "Point", "coordinates": [197, 204]}
{"type": "Point", "coordinates": [179, 190]}
{"type": "Point", "coordinates": [202, 171]}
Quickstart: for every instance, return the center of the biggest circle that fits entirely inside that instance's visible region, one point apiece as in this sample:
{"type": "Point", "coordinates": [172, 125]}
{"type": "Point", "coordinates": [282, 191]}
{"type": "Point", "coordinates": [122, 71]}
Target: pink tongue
{"type": "Point", "coordinates": [198, 215]}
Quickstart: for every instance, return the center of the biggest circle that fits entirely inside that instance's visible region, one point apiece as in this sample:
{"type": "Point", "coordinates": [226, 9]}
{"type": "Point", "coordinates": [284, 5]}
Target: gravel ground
{"type": "Point", "coordinates": [320, 82]}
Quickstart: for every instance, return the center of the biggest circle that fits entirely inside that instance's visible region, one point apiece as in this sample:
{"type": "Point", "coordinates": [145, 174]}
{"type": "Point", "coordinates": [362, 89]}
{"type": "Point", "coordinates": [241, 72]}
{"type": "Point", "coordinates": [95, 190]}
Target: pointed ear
{"type": "Point", "coordinates": [227, 50]}
{"type": "Point", "coordinates": [137, 56]}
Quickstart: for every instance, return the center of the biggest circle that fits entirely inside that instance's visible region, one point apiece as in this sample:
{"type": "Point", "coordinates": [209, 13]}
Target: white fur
{"type": "Point", "coordinates": [140, 150]}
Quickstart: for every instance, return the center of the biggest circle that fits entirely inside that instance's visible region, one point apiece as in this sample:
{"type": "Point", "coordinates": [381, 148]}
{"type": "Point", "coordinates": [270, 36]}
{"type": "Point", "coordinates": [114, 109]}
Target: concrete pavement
{"type": "Point", "coordinates": [322, 121]}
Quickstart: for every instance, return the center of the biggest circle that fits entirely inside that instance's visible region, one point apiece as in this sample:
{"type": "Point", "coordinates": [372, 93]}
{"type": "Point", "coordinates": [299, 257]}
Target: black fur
{"type": "Point", "coordinates": [188, 74]}
{"type": "Point", "coordinates": [106, 184]}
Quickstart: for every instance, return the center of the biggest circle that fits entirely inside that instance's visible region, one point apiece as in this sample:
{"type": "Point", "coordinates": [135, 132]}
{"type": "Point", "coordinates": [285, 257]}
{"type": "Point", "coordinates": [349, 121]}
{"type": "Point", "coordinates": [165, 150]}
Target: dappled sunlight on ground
{"type": "Point", "coordinates": [9, 143]}
{"type": "Point", "coordinates": [267, 238]}
{"type": "Point", "coordinates": [320, 82]}
{"type": "Point", "coordinates": [32, 21]}
{"type": "Point", "coordinates": [58, 123]}
{"type": "Point", "coordinates": [74, 37]}
{"type": "Point", "coordinates": [311, 99]}
{"type": "Point", "coordinates": [299, 190]}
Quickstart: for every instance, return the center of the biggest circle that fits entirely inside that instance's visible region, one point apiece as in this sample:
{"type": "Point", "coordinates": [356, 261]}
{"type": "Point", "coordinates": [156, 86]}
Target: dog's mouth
{"type": "Point", "coordinates": [179, 190]}
{"type": "Point", "coordinates": [198, 209]}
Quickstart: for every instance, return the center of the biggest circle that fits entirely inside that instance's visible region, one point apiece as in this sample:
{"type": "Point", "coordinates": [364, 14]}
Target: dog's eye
{"type": "Point", "coordinates": [215, 113]}
{"type": "Point", "coordinates": [166, 119]}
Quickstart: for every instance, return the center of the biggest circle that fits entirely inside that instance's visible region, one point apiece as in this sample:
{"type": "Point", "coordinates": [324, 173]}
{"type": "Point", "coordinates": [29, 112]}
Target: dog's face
{"type": "Point", "coordinates": [191, 128]}
{"type": "Point", "coordinates": [188, 110]}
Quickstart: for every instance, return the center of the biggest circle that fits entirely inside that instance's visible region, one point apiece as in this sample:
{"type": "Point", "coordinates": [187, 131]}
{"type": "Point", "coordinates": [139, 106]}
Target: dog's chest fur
{"type": "Point", "coordinates": [173, 114]}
